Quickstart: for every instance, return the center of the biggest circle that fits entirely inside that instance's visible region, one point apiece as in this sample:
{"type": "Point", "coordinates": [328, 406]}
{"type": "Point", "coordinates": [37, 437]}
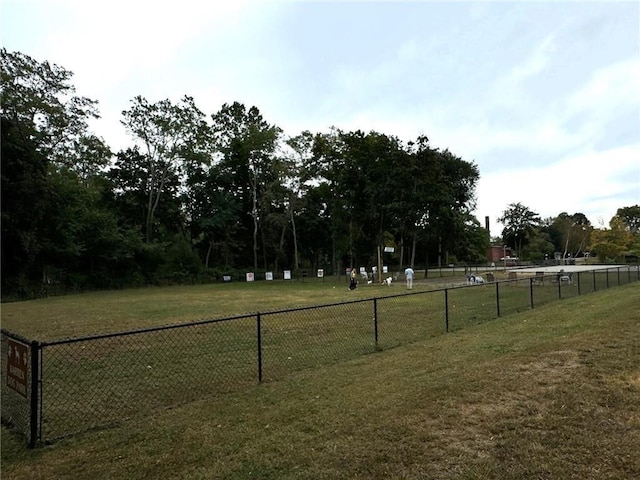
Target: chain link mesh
{"type": "Point", "coordinates": [471, 305]}
{"type": "Point", "coordinates": [93, 382]}
{"type": "Point", "coordinates": [299, 339]}
{"type": "Point", "coordinates": [406, 318]}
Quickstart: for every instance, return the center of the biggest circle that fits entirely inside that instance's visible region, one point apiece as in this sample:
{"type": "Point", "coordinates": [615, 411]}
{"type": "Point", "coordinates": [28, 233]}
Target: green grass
{"type": "Point", "coordinates": [93, 383]}
{"type": "Point", "coordinates": [545, 393]}
{"type": "Point", "coordinates": [111, 311]}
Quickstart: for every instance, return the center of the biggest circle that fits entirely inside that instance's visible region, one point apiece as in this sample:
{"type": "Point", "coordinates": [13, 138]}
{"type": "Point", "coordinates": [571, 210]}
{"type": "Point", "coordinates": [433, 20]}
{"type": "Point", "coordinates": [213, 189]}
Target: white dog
{"type": "Point", "coordinates": [474, 279]}
{"type": "Point", "coordinates": [387, 281]}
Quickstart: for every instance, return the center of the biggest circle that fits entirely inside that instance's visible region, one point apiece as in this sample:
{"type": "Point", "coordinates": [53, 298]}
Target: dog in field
{"type": "Point", "coordinates": [474, 280]}
{"type": "Point", "coordinates": [387, 281]}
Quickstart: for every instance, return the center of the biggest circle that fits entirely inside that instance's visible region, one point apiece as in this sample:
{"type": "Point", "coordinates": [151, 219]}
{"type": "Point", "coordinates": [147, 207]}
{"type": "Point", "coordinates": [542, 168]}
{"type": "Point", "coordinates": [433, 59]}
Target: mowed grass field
{"type": "Point", "coordinates": [122, 310]}
{"type": "Point", "coordinates": [94, 382]}
{"type": "Point", "coordinates": [55, 318]}
{"type": "Point", "coordinates": [545, 393]}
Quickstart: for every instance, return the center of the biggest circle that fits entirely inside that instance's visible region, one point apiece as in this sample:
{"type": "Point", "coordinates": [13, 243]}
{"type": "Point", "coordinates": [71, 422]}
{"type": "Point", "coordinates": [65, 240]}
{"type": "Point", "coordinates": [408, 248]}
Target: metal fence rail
{"type": "Point", "coordinates": [83, 383]}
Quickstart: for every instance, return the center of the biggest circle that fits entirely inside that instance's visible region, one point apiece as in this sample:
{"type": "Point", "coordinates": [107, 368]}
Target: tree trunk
{"type": "Point", "coordinates": [154, 199]}
{"type": "Point", "coordinates": [206, 260]}
{"type": "Point", "coordinates": [254, 194]}
{"type": "Point", "coordinates": [413, 249]}
{"type": "Point", "coordinates": [334, 261]}
{"type": "Point", "coordinates": [295, 241]}
{"type": "Point", "coordinates": [280, 247]}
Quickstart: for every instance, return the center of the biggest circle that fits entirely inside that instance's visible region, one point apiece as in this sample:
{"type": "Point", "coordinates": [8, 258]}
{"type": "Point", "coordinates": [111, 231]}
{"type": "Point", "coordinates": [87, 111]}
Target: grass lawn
{"type": "Point", "coordinates": [545, 393]}
{"type": "Point", "coordinates": [122, 310]}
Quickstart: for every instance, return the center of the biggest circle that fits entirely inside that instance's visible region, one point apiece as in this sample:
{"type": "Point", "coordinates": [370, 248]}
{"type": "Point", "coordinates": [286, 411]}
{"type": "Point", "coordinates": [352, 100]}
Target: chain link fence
{"type": "Point", "coordinates": [90, 382]}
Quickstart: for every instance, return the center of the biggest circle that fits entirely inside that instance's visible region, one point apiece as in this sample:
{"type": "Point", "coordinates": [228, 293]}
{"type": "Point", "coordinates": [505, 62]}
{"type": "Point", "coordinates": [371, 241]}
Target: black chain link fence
{"type": "Point", "coordinates": [91, 382]}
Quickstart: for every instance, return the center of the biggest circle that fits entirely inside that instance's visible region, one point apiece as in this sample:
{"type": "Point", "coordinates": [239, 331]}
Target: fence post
{"type": "Point", "coordinates": [578, 274]}
{"type": "Point", "coordinates": [375, 321]}
{"type": "Point", "coordinates": [607, 278]}
{"type": "Point", "coordinates": [618, 276]}
{"type": "Point", "coordinates": [35, 394]}
{"type": "Point", "coordinates": [593, 273]}
{"type": "Point", "coordinates": [497, 299]}
{"type": "Point", "coordinates": [259, 337]}
{"type": "Point", "coordinates": [446, 309]}
{"type": "Point", "coordinates": [531, 290]}
{"type": "Point", "coordinates": [559, 287]}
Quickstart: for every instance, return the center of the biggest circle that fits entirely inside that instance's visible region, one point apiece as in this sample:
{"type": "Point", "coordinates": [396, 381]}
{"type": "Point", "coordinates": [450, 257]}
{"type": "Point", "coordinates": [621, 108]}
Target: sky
{"type": "Point", "coordinates": [544, 97]}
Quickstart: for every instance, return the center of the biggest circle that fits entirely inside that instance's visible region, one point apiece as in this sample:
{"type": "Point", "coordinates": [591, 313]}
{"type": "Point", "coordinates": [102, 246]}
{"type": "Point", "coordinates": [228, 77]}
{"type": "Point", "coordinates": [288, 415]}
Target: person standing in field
{"type": "Point", "coordinates": [354, 281]}
{"type": "Point", "coordinates": [408, 273]}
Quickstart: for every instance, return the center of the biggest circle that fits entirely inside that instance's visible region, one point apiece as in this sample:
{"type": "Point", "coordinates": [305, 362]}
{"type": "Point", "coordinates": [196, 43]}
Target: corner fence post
{"type": "Point", "coordinates": [35, 394]}
{"type": "Point", "coordinates": [259, 338]}
{"type": "Point", "coordinates": [497, 299]}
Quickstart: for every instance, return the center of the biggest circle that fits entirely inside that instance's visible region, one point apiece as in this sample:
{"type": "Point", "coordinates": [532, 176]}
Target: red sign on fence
{"type": "Point", "coordinates": [17, 364]}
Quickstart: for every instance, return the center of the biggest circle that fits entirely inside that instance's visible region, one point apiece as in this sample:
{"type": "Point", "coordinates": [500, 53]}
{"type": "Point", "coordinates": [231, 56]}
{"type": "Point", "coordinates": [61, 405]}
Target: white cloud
{"type": "Point", "coordinates": [534, 64]}
{"type": "Point", "coordinates": [608, 94]}
{"type": "Point", "coordinates": [613, 86]}
{"type": "Point", "coordinates": [110, 42]}
{"type": "Point", "coordinates": [593, 183]}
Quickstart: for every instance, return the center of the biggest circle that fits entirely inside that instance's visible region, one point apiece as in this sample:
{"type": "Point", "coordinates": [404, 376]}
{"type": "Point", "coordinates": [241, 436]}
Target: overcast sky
{"type": "Point", "coordinates": [544, 97]}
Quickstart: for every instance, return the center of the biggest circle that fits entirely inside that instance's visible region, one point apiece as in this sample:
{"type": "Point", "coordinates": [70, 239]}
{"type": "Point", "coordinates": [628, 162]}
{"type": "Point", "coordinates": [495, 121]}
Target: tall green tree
{"type": "Point", "coordinates": [132, 185]}
{"type": "Point", "coordinates": [610, 244]}
{"type": "Point", "coordinates": [371, 162]}
{"type": "Point", "coordinates": [454, 198]}
{"type": "Point", "coordinates": [39, 99]}
{"type": "Point", "coordinates": [519, 224]}
{"type": "Point", "coordinates": [414, 183]}
{"type": "Point", "coordinates": [170, 136]}
{"type": "Point", "coordinates": [631, 217]}
{"type": "Point", "coordinates": [296, 178]}
{"type": "Point", "coordinates": [247, 143]}
{"type": "Point", "coordinates": [26, 196]}
{"type": "Point", "coordinates": [330, 195]}
{"type": "Point", "coordinates": [378, 191]}
{"type": "Point", "coordinates": [214, 212]}
{"type": "Point", "coordinates": [571, 233]}
{"type": "Point", "coordinates": [441, 188]}
{"type": "Point", "coordinates": [45, 138]}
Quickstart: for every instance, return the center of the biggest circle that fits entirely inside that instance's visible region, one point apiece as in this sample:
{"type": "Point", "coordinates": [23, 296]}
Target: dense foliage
{"type": "Point", "coordinates": [195, 196]}
{"type": "Point", "coordinates": [567, 237]}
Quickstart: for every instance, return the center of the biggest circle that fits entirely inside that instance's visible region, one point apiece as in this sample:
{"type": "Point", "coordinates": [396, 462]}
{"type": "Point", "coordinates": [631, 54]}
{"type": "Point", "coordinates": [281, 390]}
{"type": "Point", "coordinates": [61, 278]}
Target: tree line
{"type": "Point", "coordinates": [568, 236]}
{"type": "Point", "coordinates": [198, 195]}
{"type": "Point", "coordinates": [195, 196]}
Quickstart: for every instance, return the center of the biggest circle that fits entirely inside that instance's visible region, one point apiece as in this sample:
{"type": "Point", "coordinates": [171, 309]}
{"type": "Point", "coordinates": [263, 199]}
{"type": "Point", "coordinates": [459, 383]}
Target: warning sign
{"type": "Point", "coordinates": [17, 364]}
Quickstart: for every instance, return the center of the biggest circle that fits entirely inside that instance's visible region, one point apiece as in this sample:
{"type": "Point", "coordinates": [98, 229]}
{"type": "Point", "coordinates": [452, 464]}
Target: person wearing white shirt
{"type": "Point", "coordinates": [408, 273]}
